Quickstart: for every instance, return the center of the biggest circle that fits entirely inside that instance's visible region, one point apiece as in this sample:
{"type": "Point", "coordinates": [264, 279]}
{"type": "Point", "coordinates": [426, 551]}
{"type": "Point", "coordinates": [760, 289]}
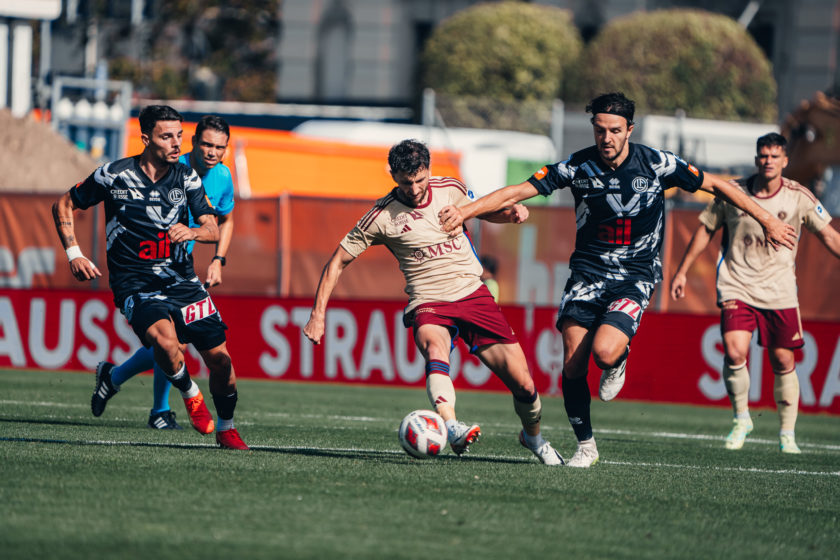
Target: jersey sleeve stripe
{"type": "Point", "coordinates": [793, 185]}
{"type": "Point", "coordinates": [374, 212]}
{"type": "Point", "coordinates": [438, 182]}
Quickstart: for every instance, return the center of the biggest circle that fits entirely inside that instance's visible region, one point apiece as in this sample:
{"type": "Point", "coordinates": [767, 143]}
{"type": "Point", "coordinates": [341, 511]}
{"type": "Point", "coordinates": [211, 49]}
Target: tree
{"type": "Point", "coordinates": [500, 52]}
{"type": "Point", "coordinates": [703, 63]}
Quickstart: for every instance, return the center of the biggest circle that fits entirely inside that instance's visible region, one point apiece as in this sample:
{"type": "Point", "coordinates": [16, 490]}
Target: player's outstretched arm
{"type": "Point", "coordinates": [776, 232]}
{"type": "Point", "coordinates": [81, 267]}
{"type": "Point", "coordinates": [699, 241]}
{"type": "Point", "coordinates": [314, 328]}
{"type": "Point", "coordinates": [831, 239]}
{"type": "Point", "coordinates": [515, 214]}
{"type": "Point", "coordinates": [452, 217]}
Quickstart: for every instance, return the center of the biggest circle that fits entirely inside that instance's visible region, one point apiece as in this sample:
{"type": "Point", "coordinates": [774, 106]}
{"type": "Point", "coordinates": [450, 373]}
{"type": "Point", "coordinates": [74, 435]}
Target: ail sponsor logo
{"type": "Point", "coordinates": [618, 234]}
{"type": "Point", "coordinates": [155, 249]}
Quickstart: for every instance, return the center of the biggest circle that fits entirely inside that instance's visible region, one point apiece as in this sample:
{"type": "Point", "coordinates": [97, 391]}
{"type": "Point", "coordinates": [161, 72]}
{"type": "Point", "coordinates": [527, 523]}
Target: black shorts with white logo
{"type": "Point", "coordinates": [593, 301]}
{"type": "Point", "coordinates": [197, 321]}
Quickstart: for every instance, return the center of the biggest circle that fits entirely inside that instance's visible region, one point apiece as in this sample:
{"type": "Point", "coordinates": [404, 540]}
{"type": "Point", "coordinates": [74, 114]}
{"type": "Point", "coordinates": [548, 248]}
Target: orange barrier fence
{"type": "Point", "coordinates": [280, 246]}
{"type": "Point", "coordinates": [273, 162]}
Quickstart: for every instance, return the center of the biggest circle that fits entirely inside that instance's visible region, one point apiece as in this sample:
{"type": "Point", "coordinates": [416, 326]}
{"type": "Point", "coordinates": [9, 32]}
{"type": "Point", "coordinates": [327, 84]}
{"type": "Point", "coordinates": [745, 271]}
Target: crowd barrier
{"type": "Point", "coordinates": [280, 246]}
{"type": "Point", "coordinates": [675, 357]}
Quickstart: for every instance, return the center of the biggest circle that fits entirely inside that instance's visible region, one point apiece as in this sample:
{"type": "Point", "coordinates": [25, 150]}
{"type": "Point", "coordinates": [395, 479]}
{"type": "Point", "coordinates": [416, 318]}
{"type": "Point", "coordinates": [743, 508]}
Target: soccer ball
{"type": "Point", "coordinates": [423, 434]}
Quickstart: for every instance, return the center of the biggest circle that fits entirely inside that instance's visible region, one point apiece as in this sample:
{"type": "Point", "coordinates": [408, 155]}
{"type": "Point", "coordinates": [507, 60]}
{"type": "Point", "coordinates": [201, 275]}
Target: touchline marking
{"type": "Point", "coordinates": [360, 450]}
{"type": "Point", "coordinates": [500, 425]}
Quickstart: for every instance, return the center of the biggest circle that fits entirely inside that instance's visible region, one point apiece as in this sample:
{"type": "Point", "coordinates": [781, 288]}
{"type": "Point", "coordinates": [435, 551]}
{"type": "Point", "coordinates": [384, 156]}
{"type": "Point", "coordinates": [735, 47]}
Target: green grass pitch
{"type": "Point", "coordinates": [327, 479]}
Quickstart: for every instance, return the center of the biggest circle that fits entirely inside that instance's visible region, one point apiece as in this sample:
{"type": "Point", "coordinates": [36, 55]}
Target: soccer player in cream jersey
{"type": "Point", "coordinates": [619, 190]}
{"type": "Point", "coordinates": [756, 285]}
{"type": "Point", "coordinates": [447, 299]}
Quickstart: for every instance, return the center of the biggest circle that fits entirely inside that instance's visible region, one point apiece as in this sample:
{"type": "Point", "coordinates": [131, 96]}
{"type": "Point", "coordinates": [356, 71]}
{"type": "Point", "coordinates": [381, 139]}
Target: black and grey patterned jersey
{"type": "Point", "coordinates": [138, 214]}
{"type": "Point", "coordinates": [620, 213]}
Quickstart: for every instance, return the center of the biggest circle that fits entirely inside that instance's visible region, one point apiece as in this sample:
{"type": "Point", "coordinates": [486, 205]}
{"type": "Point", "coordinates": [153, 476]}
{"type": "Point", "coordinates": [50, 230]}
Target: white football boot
{"type": "Point", "coordinates": [461, 436]}
{"type": "Point", "coordinates": [612, 380]}
{"type": "Point", "coordinates": [787, 444]}
{"type": "Point", "coordinates": [741, 428]}
{"type": "Point", "coordinates": [585, 456]}
{"type": "Point", "coordinates": [543, 451]}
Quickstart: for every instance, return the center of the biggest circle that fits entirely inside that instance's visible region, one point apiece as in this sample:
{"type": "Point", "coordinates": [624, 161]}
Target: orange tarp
{"type": "Point", "coordinates": [279, 162]}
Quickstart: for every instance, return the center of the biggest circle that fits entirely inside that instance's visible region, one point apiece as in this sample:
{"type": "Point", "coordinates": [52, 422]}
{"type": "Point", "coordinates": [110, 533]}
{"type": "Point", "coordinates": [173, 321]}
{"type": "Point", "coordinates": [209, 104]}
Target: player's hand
{"type": "Point", "coordinates": [519, 213]}
{"type": "Point", "coordinates": [451, 219]}
{"type": "Point", "coordinates": [84, 269]}
{"type": "Point", "coordinates": [678, 286]}
{"type": "Point", "coordinates": [179, 233]}
{"type": "Point", "coordinates": [314, 329]}
{"type": "Point", "coordinates": [214, 274]}
{"type": "Point", "coordinates": [778, 233]}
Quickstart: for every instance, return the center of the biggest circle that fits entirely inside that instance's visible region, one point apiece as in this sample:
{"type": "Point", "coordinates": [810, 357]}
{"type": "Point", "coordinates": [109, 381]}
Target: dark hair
{"type": "Point", "coordinates": [613, 103]}
{"type": "Point", "coordinates": [771, 139]}
{"type": "Point", "coordinates": [212, 122]}
{"type": "Point", "coordinates": [151, 114]}
{"type": "Point", "coordinates": [489, 263]}
{"type": "Point", "coordinates": [409, 156]}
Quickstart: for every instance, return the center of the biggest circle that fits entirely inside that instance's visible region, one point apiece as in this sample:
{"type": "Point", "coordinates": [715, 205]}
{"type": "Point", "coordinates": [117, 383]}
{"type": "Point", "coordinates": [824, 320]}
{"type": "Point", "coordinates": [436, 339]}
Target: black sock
{"type": "Point", "coordinates": [576, 399]}
{"type": "Point", "coordinates": [225, 405]}
{"type": "Point", "coordinates": [181, 380]}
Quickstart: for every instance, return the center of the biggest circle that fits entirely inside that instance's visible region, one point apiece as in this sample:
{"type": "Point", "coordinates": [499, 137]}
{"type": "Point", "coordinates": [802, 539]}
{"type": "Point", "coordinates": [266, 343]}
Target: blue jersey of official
{"type": "Point", "coordinates": [620, 213]}
{"type": "Point", "coordinates": [218, 186]}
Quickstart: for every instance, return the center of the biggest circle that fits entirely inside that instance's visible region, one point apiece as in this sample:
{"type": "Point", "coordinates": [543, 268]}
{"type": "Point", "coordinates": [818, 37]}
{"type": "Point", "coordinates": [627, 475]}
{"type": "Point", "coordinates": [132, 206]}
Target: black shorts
{"type": "Point", "coordinates": [197, 321]}
{"type": "Point", "coordinates": [592, 302]}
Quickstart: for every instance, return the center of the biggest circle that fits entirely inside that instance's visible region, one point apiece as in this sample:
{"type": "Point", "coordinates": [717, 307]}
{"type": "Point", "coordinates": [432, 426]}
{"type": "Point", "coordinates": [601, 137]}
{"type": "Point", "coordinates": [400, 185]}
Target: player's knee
{"type": "Point", "coordinates": [167, 344]}
{"type": "Point", "coordinates": [606, 357]}
{"type": "Point", "coordinates": [528, 408]}
{"type": "Point", "coordinates": [524, 385]}
{"type": "Point", "coordinates": [735, 357]}
{"type": "Point", "coordinates": [218, 362]}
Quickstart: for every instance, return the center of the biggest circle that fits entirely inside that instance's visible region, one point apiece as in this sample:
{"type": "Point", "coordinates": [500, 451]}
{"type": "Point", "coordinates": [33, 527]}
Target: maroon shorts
{"type": "Point", "coordinates": [777, 328]}
{"type": "Point", "coordinates": [476, 318]}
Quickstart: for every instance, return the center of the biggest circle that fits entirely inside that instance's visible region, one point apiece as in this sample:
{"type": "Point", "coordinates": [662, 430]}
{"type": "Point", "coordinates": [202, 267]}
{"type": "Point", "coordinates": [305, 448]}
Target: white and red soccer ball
{"type": "Point", "coordinates": [423, 434]}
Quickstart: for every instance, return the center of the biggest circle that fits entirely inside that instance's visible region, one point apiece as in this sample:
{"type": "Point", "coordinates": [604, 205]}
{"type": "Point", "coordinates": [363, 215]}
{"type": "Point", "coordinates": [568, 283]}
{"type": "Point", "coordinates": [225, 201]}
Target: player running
{"type": "Point", "coordinates": [148, 199]}
{"type": "Point", "coordinates": [756, 286]}
{"type": "Point", "coordinates": [447, 299]}
{"type": "Point", "coordinates": [619, 188]}
{"type": "Point", "coordinates": [208, 148]}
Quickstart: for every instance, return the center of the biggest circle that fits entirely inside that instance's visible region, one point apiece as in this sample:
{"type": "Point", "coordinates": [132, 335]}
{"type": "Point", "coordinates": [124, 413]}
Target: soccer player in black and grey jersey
{"type": "Point", "coordinates": [619, 190]}
{"type": "Point", "coordinates": [147, 200]}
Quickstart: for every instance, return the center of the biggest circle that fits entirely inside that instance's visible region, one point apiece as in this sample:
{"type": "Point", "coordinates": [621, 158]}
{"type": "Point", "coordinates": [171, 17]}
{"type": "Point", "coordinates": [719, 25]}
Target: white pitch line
{"type": "Point", "coordinates": [505, 426]}
{"type": "Point", "coordinates": [293, 448]}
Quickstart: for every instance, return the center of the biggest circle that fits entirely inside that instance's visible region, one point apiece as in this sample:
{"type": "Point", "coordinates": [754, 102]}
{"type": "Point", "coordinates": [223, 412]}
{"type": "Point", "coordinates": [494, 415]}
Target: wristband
{"type": "Point", "coordinates": [73, 252]}
{"type": "Point", "coordinates": [220, 259]}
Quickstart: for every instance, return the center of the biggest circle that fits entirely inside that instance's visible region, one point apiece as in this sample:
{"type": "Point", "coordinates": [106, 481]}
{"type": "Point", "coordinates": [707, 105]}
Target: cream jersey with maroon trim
{"type": "Point", "coordinates": [750, 270]}
{"type": "Point", "coordinates": [436, 267]}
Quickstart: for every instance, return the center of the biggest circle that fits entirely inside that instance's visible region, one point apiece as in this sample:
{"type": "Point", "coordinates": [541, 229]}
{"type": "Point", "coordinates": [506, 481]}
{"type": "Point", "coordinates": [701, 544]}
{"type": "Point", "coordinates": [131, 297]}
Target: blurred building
{"type": "Point", "coordinates": [366, 50]}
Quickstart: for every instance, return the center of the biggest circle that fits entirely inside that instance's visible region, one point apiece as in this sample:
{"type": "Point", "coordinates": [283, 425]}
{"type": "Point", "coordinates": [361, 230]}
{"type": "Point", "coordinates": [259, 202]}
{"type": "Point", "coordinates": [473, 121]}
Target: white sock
{"type": "Point", "coordinates": [786, 433]}
{"type": "Point", "coordinates": [191, 392]}
{"type": "Point", "coordinates": [745, 415]}
{"type": "Point", "coordinates": [532, 441]}
{"type": "Point", "coordinates": [224, 425]}
{"type": "Point", "coordinates": [450, 427]}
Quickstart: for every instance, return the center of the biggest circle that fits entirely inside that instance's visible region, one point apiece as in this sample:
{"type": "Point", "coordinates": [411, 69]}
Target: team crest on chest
{"type": "Point", "coordinates": [640, 184]}
{"type": "Point", "coordinates": [176, 196]}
